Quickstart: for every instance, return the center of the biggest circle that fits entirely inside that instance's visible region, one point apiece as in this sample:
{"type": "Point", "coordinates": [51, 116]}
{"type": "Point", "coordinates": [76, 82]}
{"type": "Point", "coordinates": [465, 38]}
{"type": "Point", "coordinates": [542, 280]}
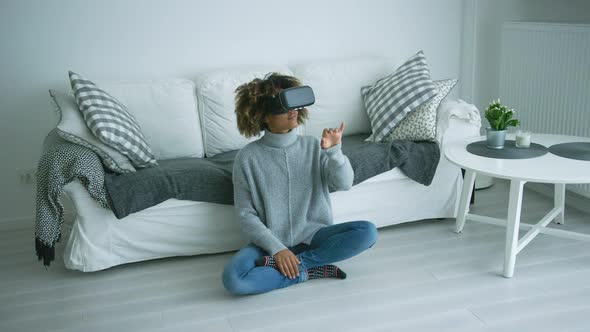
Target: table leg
{"type": "Point", "coordinates": [559, 202]}
{"type": "Point", "coordinates": [472, 200]}
{"type": "Point", "coordinates": [464, 200]}
{"type": "Point", "coordinates": [512, 226]}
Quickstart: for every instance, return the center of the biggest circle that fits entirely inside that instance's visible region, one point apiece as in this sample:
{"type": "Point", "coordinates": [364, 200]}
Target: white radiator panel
{"type": "Point", "coordinates": [545, 77]}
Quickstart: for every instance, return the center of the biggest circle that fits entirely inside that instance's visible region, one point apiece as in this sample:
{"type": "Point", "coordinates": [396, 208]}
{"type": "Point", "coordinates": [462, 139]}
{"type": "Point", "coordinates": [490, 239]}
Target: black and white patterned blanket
{"type": "Point", "coordinates": [61, 163]}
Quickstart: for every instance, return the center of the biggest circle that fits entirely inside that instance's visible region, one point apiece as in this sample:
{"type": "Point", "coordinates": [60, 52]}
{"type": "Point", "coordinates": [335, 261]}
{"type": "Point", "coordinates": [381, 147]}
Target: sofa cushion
{"type": "Point", "coordinates": [216, 98]}
{"type": "Point", "coordinates": [167, 113]}
{"type": "Point", "coordinates": [110, 122]}
{"type": "Point", "coordinates": [337, 85]}
{"type": "Point", "coordinates": [72, 128]}
{"type": "Point", "coordinates": [391, 98]}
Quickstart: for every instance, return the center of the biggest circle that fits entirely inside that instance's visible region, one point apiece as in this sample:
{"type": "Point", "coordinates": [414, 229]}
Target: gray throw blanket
{"type": "Point", "coordinates": [210, 179]}
{"type": "Point", "coordinates": [192, 179]}
{"type": "Point", "coordinates": [62, 162]}
{"type": "Point", "coordinates": [418, 160]}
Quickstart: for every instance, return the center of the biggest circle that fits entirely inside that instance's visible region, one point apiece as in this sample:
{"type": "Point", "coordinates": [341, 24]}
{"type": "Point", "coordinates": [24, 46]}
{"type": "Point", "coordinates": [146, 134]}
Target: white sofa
{"type": "Point", "coordinates": [182, 118]}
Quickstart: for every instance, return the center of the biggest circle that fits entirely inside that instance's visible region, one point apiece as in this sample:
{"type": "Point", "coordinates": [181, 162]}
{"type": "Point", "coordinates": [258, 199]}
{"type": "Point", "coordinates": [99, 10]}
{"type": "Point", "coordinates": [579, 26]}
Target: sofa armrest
{"type": "Point", "coordinates": [456, 120]}
{"type": "Point", "coordinates": [63, 162]}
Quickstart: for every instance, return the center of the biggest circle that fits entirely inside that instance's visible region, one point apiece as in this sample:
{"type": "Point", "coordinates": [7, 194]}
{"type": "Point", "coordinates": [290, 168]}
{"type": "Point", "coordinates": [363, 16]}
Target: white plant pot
{"type": "Point", "coordinates": [495, 138]}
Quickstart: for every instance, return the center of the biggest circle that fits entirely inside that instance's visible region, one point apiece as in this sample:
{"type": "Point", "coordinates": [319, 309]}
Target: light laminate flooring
{"type": "Point", "coordinates": [419, 276]}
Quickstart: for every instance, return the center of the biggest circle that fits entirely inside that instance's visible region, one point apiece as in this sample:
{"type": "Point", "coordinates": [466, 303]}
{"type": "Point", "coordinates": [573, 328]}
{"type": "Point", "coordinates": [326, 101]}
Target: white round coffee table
{"type": "Point", "coordinates": [548, 168]}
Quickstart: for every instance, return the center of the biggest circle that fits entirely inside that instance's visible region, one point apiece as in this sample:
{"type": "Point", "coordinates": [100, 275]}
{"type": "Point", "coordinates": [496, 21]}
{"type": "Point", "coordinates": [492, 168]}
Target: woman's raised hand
{"type": "Point", "coordinates": [332, 136]}
{"type": "Point", "coordinates": [287, 263]}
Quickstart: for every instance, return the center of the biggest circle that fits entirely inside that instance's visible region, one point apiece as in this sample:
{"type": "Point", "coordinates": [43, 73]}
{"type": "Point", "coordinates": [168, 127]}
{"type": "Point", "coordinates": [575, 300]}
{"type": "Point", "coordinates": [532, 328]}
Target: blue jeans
{"type": "Point", "coordinates": [329, 245]}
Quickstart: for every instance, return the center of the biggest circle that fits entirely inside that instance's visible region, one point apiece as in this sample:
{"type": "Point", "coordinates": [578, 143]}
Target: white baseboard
{"type": "Point", "coordinates": [22, 223]}
{"type": "Point", "coordinates": [572, 199]}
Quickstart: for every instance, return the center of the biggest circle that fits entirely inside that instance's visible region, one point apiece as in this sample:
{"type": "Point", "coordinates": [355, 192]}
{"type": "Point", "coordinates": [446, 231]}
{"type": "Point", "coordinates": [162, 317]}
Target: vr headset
{"type": "Point", "coordinates": [294, 98]}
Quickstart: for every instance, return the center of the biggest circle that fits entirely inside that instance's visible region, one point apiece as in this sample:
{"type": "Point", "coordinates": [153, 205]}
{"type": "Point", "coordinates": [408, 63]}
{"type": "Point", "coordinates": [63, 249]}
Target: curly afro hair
{"type": "Point", "coordinates": [253, 102]}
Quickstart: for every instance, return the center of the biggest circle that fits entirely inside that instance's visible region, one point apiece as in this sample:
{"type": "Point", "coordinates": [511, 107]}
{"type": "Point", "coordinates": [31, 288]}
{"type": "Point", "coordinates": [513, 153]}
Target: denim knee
{"type": "Point", "coordinates": [232, 282]}
{"type": "Point", "coordinates": [370, 232]}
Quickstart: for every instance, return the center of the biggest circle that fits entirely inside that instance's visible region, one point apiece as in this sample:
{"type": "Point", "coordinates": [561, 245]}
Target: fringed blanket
{"type": "Point", "coordinates": [62, 162]}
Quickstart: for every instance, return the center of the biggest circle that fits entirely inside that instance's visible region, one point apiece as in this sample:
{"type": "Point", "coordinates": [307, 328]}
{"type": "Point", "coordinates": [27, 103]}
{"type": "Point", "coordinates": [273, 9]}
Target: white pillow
{"type": "Point", "coordinates": [72, 128]}
{"type": "Point", "coordinates": [216, 97]}
{"type": "Point", "coordinates": [336, 85]}
{"type": "Point", "coordinates": [166, 111]}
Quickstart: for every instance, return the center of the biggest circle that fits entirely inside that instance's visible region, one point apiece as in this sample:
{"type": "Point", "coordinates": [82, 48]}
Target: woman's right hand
{"type": "Point", "coordinates": [287, 263]}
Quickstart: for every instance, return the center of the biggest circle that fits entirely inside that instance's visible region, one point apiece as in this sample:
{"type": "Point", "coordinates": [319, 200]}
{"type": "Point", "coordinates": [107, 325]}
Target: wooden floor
{"type": "Point", "coordinates": [418, 277]}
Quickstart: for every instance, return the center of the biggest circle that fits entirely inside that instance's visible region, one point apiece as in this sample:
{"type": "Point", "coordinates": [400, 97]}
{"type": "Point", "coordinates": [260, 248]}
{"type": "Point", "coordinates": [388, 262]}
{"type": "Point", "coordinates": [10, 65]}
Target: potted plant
{"type": "Point", "coordinates": [500, 118]}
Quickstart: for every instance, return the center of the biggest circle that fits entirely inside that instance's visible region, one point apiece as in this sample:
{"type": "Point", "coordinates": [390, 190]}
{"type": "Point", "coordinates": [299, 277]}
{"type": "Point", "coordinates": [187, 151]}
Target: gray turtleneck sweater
{"type": "Point", "coordinates": [281, 194]}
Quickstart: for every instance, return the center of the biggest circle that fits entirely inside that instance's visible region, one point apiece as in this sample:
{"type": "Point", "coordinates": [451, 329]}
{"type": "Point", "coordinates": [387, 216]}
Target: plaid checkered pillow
{"type": "Point", "coordinates": [391, 98]}
{"type": "Point", "coordinates": [110, 122]}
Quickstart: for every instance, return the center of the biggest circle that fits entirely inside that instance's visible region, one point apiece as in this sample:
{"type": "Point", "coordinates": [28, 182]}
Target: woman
{"type": "Point", "coordinates": [281, 197]}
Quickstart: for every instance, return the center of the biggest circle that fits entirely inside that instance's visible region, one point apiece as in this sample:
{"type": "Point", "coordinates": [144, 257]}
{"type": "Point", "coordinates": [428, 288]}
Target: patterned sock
{"type": "Point", "coordinates": [265, 261]}
{"type": "Point", "coordinates": [326, 271]}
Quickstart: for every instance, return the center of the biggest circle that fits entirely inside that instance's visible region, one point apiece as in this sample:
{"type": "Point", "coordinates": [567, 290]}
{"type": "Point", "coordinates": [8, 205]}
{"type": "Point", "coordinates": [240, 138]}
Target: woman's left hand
{"type": "Point", "coordinates": [332, 136]}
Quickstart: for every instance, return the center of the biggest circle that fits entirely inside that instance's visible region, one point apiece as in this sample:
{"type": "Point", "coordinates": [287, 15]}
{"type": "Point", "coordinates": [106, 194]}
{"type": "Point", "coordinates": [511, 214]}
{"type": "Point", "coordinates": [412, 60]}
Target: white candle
{"type": "Point", "coordinates": [523, 139]}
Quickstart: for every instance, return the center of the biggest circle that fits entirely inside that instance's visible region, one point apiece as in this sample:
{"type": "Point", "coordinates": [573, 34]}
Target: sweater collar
{"type": "Point", "coordinates": [279, 140]}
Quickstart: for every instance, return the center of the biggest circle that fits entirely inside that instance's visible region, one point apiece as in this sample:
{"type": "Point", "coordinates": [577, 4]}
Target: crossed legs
{"type": "Point", "coordinates": [329, 245]}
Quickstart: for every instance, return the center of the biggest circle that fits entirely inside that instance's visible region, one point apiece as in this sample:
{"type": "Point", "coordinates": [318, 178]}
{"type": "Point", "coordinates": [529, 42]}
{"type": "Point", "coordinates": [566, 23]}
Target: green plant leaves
{"type": "Point", "coordinates": [500, 117]}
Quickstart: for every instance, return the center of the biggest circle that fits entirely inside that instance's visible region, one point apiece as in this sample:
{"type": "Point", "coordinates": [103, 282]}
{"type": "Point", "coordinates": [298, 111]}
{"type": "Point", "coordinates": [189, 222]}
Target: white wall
{"type": "Point", "coordinates": [484, 20]}
{"type": "Point", "coordinates": [117, 40]}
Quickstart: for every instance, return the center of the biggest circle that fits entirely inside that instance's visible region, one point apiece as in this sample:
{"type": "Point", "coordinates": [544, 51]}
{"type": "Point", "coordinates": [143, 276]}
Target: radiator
{"type": "Point", "coordinates": [545, 77]}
